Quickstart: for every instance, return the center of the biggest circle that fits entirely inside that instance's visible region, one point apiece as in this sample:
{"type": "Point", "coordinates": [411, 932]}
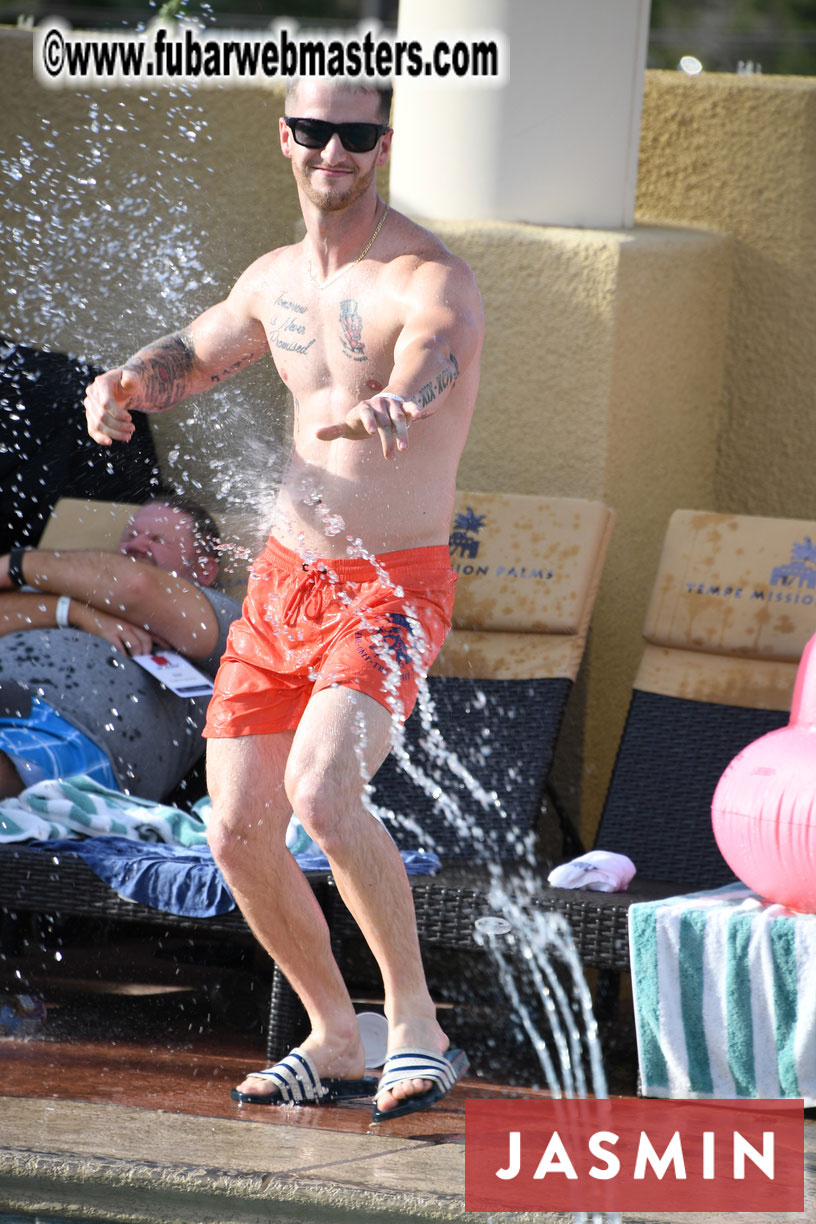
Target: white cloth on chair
{"type": "Point", "coordinates": [598, 870]}
{"type": "Point", "coordinates": [724, 988]}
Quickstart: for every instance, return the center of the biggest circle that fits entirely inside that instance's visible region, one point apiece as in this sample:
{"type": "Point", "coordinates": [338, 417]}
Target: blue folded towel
{"type": "Point", "coordinates": [181, 880]}
{"type": "Point", "coordinates": [176, 879]}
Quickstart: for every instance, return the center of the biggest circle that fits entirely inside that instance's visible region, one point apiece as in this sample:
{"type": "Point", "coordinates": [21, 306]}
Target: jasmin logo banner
{"type": "Point", "coordinates": [634, 1155]}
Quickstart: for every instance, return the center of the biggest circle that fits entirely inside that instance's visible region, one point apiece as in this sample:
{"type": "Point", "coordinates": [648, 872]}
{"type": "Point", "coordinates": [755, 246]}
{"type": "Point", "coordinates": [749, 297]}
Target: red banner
{"type": "Point", "coordinates": [634, 1155]}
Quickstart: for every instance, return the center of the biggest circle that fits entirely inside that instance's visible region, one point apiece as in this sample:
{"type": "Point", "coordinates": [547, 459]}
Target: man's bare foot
{"type": "Point", "coordinates": [419, 1035]}
{"type": "Point", "coordinates": [334, 1058]}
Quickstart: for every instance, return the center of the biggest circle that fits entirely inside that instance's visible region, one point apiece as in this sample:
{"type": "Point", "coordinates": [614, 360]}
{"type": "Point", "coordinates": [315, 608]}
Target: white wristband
{"type": "Point", "coordinates": [401, 399]}
{"type": "Point", "coordinates": [63, 608]}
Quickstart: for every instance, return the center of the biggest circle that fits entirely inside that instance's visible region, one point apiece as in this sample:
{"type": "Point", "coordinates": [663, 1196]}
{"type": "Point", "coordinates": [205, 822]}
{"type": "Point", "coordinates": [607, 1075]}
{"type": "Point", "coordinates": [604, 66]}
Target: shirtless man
{"type": "Point", "coordinates": [376, 328]}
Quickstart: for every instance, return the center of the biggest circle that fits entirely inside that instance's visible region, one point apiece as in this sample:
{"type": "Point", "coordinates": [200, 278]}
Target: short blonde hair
{"type": "Point", "coordinates": [366, 85]}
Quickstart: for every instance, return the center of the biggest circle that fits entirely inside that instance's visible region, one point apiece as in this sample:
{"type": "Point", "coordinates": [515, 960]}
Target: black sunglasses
{"type": "Point", "coordinates": [354, 137]}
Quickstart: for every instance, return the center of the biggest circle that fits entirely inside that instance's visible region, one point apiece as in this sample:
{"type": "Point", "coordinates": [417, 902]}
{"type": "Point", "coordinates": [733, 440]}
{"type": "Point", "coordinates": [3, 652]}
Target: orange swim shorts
{"type": "Point", "coordinates": [371, 625]}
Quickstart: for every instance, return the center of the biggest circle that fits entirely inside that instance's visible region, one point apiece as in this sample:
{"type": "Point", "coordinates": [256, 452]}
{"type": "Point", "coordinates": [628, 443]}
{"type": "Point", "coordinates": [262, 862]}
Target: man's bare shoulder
{"type": "Point", "coordinates": [422, 260]}
{"type": "Point", "coordinates": [421, 247]}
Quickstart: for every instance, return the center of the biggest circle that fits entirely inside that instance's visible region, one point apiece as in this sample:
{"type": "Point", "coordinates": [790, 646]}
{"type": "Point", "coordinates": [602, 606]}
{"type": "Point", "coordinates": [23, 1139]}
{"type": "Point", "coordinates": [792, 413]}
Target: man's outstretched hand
{"type": "Point", "coordinates": [379, 416]}
{"type": "Point", "coordinates": [106, 406]}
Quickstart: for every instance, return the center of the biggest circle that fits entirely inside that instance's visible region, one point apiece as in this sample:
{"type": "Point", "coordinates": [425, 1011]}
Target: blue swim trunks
{"type": "Point", "coordinates": [45, 746]}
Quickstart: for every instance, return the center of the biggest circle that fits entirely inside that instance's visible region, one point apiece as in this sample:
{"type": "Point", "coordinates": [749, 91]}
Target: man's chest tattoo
{"type": "Point", "coordinates": [351, 330]}
{"type": "Point", "coordinates": [287, 327]}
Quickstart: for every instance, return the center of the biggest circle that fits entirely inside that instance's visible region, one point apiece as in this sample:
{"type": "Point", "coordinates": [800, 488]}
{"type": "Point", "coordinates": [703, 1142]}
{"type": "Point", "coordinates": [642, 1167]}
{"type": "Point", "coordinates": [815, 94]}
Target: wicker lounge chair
{"type": "Point", "coordinates": [732, 608]}
{"type": "Point", "coordinates": [529, 570]}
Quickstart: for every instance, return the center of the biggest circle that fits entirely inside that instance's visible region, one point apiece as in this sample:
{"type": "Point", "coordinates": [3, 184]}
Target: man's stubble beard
{"type": "Point", "coordinates": [332, 201]}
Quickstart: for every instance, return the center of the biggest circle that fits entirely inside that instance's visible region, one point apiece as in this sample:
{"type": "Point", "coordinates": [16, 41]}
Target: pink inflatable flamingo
{"type": "Point", "coordinates": [764, 807]}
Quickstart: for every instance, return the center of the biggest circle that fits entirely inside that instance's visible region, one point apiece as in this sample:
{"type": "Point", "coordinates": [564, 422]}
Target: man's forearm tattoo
{"type": "Point", "coordinates": [165, 370]}
{"type": "Point", "coordinates": [435, 386]}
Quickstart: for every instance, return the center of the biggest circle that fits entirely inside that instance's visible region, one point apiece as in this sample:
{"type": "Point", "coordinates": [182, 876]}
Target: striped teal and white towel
{"type": "Point", "coordinates": [724, 988]}
{"type": "Point", "coordinates": [82, 807]}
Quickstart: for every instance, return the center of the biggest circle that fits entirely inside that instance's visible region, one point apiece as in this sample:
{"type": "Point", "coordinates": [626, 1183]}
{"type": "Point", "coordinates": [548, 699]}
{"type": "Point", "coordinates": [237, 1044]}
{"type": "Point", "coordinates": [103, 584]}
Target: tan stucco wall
{"type": "Point", "coordinates": [738, 154]}
{"type": "Point", "coordinates": [671, 365]}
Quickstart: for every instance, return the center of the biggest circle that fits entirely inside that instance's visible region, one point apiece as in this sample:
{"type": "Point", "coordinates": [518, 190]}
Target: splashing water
{"type": "Point", "coordinates": [112, 217]}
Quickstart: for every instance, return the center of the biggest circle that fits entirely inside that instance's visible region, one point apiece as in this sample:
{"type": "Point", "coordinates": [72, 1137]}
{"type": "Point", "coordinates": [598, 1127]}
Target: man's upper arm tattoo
{"type": "Point", "coordinates": [234, 368]}
{"type": "Point", "coordinates": [165, 369]}
{"type": "Point", "coordinates": [435, 386]}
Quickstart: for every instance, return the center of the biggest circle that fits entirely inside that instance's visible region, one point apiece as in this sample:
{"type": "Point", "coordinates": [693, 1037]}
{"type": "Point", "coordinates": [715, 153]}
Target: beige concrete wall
{"type": "Point", "coordinates": [556, 143]}
{"type": "Point", "coordinates": [738, 154]}
{"type": "Point", "coordinates": [670, 365]}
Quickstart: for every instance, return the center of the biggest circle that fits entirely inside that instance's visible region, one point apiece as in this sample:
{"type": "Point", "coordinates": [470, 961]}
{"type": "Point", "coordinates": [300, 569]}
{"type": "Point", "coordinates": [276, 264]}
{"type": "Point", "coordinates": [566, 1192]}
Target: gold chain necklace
{"type": "Point", "coordinates": [345, 267]}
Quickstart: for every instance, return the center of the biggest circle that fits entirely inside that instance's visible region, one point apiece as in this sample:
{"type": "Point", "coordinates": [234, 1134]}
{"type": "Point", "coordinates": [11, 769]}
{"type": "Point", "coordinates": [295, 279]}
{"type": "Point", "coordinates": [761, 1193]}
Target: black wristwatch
{"type": "Point", "coordinates": [15, 567]}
